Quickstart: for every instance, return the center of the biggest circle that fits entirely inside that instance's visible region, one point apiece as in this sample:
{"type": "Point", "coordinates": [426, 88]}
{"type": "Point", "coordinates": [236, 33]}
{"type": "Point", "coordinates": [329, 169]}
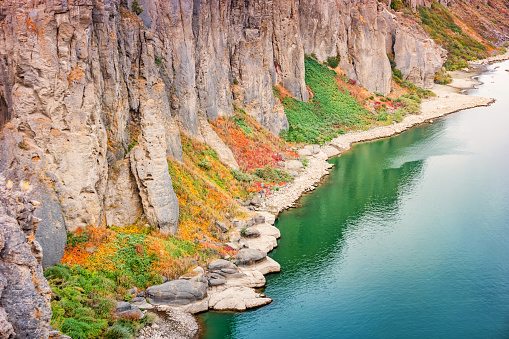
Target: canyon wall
{"type": "Point", "coordinates": [24, 292]}
{"type": "Point", "coordinates": [94, 98]}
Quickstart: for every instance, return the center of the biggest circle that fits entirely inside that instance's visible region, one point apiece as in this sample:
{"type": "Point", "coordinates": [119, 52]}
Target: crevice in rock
{"type": "Point", "coordinates": [5, 115]}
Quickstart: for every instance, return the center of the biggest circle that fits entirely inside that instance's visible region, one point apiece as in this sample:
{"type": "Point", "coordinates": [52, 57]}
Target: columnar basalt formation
{"type": "Point", "coordinates": [93, 97]}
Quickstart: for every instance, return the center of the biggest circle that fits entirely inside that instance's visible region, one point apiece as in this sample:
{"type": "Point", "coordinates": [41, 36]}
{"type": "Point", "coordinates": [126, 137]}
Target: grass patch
{"type": "Point", "coordinates": [83, 302]}
{"type": "Point", "coordinates": [331, 111]}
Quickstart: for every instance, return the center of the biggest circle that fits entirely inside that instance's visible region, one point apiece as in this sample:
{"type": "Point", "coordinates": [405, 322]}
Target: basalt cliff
{"type": "Point", "coordinates": [81, 80]}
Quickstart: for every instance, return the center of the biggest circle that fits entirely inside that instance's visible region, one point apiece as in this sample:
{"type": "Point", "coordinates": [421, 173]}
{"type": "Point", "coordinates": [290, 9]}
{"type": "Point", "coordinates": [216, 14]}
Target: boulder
{"type": "Point", "coordinates": [220, 264]}
{"type": "Point", "coordinates": [216, 279]}
{"type": "Point", "coordinates": [259, 219]}
{"type": "Point", "coordinates": [251, 232]}
{"type": "Point", "coordinates": [177, 292]}
{"type": "Point", "coordinates": [256, 202]}
{"type": "Point", "coordinates": [122, 306]}
{"type": "Point", "coordinates": [248, 256]}
{"type": "Point", "coordinates": [222, 226]}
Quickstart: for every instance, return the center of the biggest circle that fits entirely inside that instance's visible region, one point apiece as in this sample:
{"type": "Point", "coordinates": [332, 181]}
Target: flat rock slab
{"type": "Point", "coordinates": [193, 307]}
{"type": "Point", "coordinates": [264, 243]}
{"type": "Point", "coordinates": [269, 217]}
{"type": "Point", "coordinates": [268, 230]}
{"type": "Point", "coordinates": [236, 299]}
{"type": "Point", "coordinates": [142, 304]}
{"type": "Point", "coordinates": [247, 278]}
{"type": "Point", "coordinates": [266, 266]}
{"type": "Point", "coordinates": [294, 165]}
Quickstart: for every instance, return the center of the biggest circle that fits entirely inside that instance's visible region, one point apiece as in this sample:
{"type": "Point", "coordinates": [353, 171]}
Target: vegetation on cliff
{"type": "Point", "coordinates": [330, 112]}
{"type": "Point", "coordinates": [461, 47]}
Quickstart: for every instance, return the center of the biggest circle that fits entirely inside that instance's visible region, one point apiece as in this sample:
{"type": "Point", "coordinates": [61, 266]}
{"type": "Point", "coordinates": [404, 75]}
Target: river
{"type": "Point", "coordinates": [408, 237]}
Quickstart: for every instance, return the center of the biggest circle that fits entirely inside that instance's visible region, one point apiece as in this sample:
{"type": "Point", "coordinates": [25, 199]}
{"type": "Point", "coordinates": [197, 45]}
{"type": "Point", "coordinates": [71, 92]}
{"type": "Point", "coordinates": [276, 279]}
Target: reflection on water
{"type": "Point", "coordinates": [408, 237]}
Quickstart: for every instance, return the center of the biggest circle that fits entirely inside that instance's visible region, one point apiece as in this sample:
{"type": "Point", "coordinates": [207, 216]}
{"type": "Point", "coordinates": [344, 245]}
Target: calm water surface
{"type": "Point", "coordinates": [407, 238]}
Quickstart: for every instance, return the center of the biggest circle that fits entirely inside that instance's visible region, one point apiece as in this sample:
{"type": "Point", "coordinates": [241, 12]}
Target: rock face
{"type": "Point", "coordinates": [418, 3]}
{"type": "Point", "coordinates": [24, 292]}
{"type": "Point", "coordinates": [93, 98]}
{"type": "Point", "coordinates": [362, 33]}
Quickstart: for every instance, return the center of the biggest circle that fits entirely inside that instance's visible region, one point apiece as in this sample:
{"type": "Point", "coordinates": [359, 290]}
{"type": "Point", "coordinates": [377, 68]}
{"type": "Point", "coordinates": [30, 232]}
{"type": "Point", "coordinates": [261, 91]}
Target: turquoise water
{"type": "Point", "coordinates": [407, 238]}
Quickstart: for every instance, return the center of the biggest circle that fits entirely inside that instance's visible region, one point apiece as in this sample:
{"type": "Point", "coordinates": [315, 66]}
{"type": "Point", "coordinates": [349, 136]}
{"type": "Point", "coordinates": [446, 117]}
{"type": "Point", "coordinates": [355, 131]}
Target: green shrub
{"type": "Point", "coordinates": [119, 331]}
{"type": "Point", "coordinates": [136, 8]}
{"type": "Point", "coordinates": [241, 176]}
{"type": "Point", "coordinates": [241, 122]}
{"type": "Point", "coordinates": [305, 162]}
{"type": "Point", "coordinates": [272, 174]}
{"type": "Point", "coordinates": [333, 62]}
{"type": "Point", "coordinates": [205, 164]}
{"type": "Point", "coordinates": [382, 115]}
{"type": "Point", "coordinates": [57, 272]}
{"type": "Point", "coordinates": [396, 5]}
{"type": "Point", "coordinates": [158, 60]}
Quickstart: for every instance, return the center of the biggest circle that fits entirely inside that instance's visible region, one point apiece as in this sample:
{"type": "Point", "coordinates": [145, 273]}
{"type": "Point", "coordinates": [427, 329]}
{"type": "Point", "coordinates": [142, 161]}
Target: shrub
{"type": "Point", "coordinates": [333, 62]}
{"type": "Point", "coordinates": [239, 119]}
{"type": "Point", "coordinates": [382, 115]}
{"type": "Point", "coordinates": [443, 78]}
{"type": "Point", "coordinates": [204, 163]}
{"type": "Point", "coordinates": [272, 174]}
{"type": "Point", "coordinates": [241, 176]}
{"type": "Point", "coordinates": [57, 272]}
{"type": "Point", "coordinates": [396, 5]}
{"type": "Point", "coordinates": [158, 60]}
{"type": "Point", "coordinates": [119, 331]}
{"type": "Point", "coordinates": [136, 8]}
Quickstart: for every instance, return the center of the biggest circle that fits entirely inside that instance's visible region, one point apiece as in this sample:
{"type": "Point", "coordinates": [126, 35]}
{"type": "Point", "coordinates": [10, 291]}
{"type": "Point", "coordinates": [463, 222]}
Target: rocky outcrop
{"type": "Point", "coordinates": [414, 4]}
{"type": "Point", "coordinates": [24, 292]}
{"type": "Point", "coordinates": [362, 33]}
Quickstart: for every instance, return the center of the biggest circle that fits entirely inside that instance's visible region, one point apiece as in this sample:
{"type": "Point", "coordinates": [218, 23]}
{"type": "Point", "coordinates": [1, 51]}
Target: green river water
{"type": "Point", "coordinates": [408, 237]}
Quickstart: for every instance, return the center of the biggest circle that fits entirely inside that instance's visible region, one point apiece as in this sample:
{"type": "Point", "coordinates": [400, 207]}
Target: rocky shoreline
{"type": "Point", "coordinates": [491, 60]}
{"type": "Point", "coordinates": [230, 285]}
{"type": "Point", "coordinates": [449, 99]}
